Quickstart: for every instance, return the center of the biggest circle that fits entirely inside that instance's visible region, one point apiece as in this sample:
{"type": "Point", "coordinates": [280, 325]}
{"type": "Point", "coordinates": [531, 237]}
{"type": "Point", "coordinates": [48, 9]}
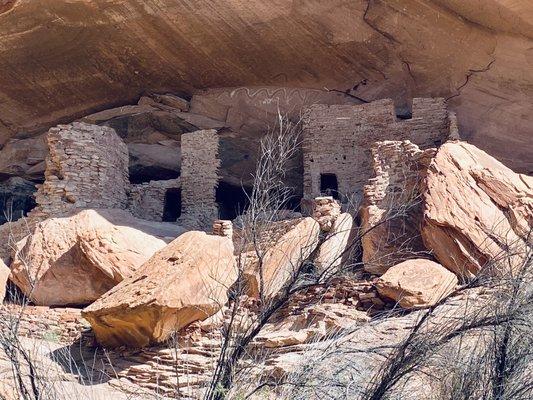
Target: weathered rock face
{"type": "Point", "coordinates": [4, 275]}
{"type": "Point", "coordinates": [24, 158]}
{"type": "Point", "coordinates": [283, 259]}
{"type": "Point", "coordinates": [392, 208]}
{"type": "Point", "coordinates": [477, 52]}
{"type": "Point", "coordinates": [338, 245]}
{"type": "Point", "coordinates": [416, 283]}
{"type": "Point", "coordinates": [184, 282]}
{"type": "Point", "coordinates": [313, 323]}
{"type": "Point", "coordinates": [475, 210]}
{"type": "Point", "coordinates": [74, 260]}
{"type": "Point", "coordinates": [161, 159]}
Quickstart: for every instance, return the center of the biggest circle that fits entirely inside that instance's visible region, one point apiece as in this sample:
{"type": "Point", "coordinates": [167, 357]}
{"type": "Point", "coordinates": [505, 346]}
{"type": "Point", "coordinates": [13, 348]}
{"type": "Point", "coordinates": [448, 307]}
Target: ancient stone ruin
{"type": "Point", "coordinates": [338, 138]}
{"type": "Point", "coordinates": [156, 200]}
{"type": "Point", "coordinates": [199, 178]}
{"type": "Point", "coordinates": [229, 200]}
{"type": "Point", "coordinates": [87, 167]}
{"type": "Point", "coordinates": [391, 210]}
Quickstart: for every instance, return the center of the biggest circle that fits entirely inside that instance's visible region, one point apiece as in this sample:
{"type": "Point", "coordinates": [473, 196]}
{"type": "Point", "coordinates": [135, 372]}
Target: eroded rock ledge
{"type": "Point", "coordinates": [476, 53]}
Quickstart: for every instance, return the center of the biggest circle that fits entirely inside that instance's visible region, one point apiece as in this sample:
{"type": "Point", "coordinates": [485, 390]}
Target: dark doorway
{"type": "Point", "coordinates": [172, 208]}
{"type": "Point", "coordinates": [231, 199]}
{"type": "Point", "coordinates": [329, 185]}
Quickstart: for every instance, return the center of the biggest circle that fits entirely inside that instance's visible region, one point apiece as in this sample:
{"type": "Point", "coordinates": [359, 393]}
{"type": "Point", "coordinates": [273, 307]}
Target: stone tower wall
{"type": "Point", "coordinates": [147, 200]}
{"type": "Point", "coordinates": [199, 179]}
{"type": "Point", "coordinates": [338, 139]}
{"type": "Point", "coordinates": [87, 167]}
{"type": "Point", "coordinates": [392, 208]}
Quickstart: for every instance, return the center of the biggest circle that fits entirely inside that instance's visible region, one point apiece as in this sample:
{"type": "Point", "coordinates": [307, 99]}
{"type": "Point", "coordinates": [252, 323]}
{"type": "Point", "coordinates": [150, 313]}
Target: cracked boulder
{"type": "Point", "coordinates": [281, 260]}
{"type": "Point", "coordinates": [476, 210]}
{"type": "Point", "coordinates": [24, 158]}
{"type": "Point", "coordinates": [338, 247]}
{"type": "Point", "coordinates": [184, 282]}
{"type": "Point", "coordinates": [4, 275]}
{"type": "Point", "coordinates": [76, 259]}
{"type": "Point", "coordinates": [416, 283]}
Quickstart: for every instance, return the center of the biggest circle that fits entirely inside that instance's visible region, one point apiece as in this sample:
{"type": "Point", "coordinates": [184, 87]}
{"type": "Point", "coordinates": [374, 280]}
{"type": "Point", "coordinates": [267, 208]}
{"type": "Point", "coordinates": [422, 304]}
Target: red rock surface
{"type": "Point", "coordinates": [74, 260]}
{"type": "Point", "coordinates": [184, 282]}
{"type": "Point", "coordinates": [61, 59]}
{"type": "Point", "coordinates": [476, 209]}
{"type": "Point", "coordinates": [416, 283]}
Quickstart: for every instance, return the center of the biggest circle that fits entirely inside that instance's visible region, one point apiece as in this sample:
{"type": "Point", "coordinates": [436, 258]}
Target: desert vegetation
{"type": "Point", "coordinates": [466, 337]}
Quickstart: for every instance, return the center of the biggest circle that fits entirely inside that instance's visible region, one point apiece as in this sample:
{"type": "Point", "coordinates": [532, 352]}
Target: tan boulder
{"type": "Point", "coordinates": [282, 260]}
{"type": "Point", "coordinates": [184, 282]}
{"type": "Point", "coordinates": [4, 275]}
{"type": "Point", "coordinates": [336, 247]}
{"type": "Point", "coordinates": [74, 260]}
{"type": "Point", "coordinates": [476, 209]}
{"type": "Point", "coordinates": [416, 283]}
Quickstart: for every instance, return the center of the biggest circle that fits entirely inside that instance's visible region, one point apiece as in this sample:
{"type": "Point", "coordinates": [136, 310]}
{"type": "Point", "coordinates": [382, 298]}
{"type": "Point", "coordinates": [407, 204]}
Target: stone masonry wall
{"type": "Point", "coordinates": [87, 167]}
{"type": "Point", "coordinates": [147, 200]}
{"type": "Point", "coordinates": [338, 139]}
{"type": "Point", "coordinates": [199, 179]}
{"type": "Point", "coordinates": [392, 208]}
{"type": "Point", "coordinates": [64, 325]}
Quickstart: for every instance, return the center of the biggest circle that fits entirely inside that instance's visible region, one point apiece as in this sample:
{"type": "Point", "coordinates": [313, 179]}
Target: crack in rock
{"type": "Point", "coordinates": [469, 74]}
{"type": "Point", "coordinates": [371, 24]}
{"type": "Point", "coordinates": [7, 5]}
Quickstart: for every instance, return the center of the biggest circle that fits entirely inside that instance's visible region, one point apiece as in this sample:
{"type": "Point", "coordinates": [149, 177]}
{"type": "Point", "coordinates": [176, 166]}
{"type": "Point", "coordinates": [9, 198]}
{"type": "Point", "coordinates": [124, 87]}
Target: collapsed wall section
{"type": "Point", "coordinates": [87, 167]}
{"type": "Point", "coordinates": [199, 179]}
{"type": "Point", "coordinates": [391, 212]}
{"type": "Point", "coordinates": [338, 139]}
{"type": "Point", "coordinates": [150, 200]}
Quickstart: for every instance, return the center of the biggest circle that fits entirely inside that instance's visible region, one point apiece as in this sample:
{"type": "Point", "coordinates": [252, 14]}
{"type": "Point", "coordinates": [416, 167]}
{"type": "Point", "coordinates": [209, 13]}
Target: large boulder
{"type": "Point", "coordinates": [338, 245]}
{"type": "Point", "coordinates": [74, 260]}
{"type": "Point", "coordinates": [4, 275]}
{"type": "Point", "coordinates": [416, 283]}
{"type": "Point", "coordinates": [282, 261]}
{"type": "Point", "coordinates": [476, 209]}
{"type": "Point", "coordinates": [184, 282]}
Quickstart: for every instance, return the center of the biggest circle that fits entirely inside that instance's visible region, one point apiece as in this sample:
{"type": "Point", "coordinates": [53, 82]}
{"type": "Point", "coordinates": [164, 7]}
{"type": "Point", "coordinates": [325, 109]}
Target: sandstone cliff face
{"type": "Point", "coordinates": [90, 55]}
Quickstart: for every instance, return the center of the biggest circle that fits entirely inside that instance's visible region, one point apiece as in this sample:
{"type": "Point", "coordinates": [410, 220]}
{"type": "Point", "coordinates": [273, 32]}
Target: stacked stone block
{"type": "Point", "coordinates": [147, 200]}
{"type": "Point", "coordinates": [87, 167]}
{"type": "Point", "coordinates": [223, 228]}
{"type": "Point", "coordinates": [392, 206]}
{"type": "Point", "coordinates": [326, 210]}
{"type": "Point", "coordinates": [338, 139]}
{"type": "Point", "coordinates": [199, 179]}
{"type": "Point", "coordinates": [64, 325]}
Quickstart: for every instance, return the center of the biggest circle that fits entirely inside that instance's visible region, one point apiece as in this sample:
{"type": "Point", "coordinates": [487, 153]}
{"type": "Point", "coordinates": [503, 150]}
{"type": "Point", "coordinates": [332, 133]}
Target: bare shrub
{"type": "Point", "coordinates": [248, 317]}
